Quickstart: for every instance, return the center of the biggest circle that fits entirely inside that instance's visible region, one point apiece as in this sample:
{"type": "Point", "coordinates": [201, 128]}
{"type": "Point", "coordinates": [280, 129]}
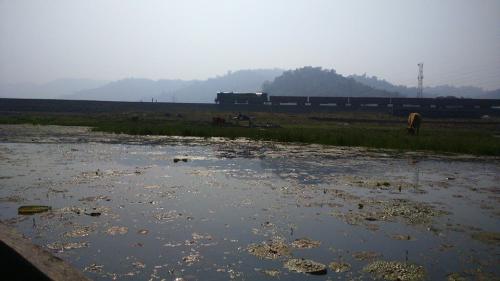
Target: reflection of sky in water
{"type": "Point", "coordinates": [238, 199]}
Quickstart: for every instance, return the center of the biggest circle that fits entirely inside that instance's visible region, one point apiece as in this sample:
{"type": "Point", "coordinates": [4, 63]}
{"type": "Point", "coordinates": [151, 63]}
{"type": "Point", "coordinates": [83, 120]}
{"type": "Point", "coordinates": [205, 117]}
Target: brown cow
{"type": "Point", "coordinates": [414, 121]}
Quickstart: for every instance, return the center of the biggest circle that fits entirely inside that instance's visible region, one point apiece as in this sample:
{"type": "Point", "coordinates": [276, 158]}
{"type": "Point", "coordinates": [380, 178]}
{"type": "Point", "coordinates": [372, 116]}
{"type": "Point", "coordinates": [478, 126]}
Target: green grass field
{"type": "Point", "coordinates": [384, 131]}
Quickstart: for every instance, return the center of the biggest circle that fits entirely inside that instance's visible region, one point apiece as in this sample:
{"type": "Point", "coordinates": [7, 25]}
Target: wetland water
{"type": "Point", "coordinates": [122, 208]}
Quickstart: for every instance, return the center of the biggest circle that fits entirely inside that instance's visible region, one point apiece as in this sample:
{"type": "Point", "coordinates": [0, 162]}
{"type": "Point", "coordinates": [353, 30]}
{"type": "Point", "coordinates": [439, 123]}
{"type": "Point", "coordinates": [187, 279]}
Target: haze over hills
{"type": "Point", "coordinates": [130, 89]}
{"type": "Point", "coordinates": [238, 81]}
{"type": "Point", "coordinates": [140, 89]}
{"type": "Point", "coordinates": [51, 90]}
{"type": "Point", "coordinates": [430, 92]}
{"type": "Point", "coordinates": [198, 91]}
{"type": "Point", "coordinates": [310, 81]}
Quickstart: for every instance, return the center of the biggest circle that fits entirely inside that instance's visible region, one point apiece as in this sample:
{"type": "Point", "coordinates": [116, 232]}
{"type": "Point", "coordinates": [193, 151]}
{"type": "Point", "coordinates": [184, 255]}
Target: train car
{"type": "Point", "coordinates": [439, 107]}
{"type": "Point", "coordinates": [241, 98]}
{"type": "Point", "coordinates": [358, 102]}
{"type": "Point", "coordinates": [328, 101]}
{"type": "Point", "coordinates": [288, 100]}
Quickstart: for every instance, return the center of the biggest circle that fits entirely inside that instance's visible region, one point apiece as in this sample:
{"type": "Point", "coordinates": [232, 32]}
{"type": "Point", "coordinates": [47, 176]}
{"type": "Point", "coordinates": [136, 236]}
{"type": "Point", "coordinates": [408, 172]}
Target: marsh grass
{"type": "Point", "coordinates": [478, 141]}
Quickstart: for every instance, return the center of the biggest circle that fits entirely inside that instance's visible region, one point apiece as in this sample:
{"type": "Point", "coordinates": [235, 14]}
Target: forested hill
{"type": "Point", "coordinates": [315, 81]}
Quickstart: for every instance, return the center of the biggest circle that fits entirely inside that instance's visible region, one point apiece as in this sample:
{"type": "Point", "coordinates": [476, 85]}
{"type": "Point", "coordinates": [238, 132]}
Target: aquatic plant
{"type": "Point", "coordinates": [396, 271]}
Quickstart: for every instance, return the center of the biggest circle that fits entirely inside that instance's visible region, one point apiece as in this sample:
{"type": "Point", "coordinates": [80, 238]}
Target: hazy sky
{"type": "Point", "coordinates": [458, 41]}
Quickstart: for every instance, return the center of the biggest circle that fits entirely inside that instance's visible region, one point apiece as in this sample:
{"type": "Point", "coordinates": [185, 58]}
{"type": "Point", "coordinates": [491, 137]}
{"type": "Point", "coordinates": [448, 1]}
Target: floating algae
{"type": "Point", "coordinates": [79, 231]}
{"type": "Point", "coordinates": [230, 199]}
{"type": "Point", "coordinates": [487, 237]}
{"type": "Point", "coordinates": [306, 266]}
{"type": "Point", "coordinates": [365, 255]}
{"type": "Point", "coordinates": [411, 212]}
{"type": "Point", "coordinates": [340, 266]}
{"type": "Point", "coordinates": [192, 258]}
{"type": "Point", "coordinates": [33, 209]}
{"type": "Point", "coordinates": [117, 230]}
{"type": "Point", "coordinates": [271, 272]}
{"type": "Point", "coordinates": [455, 277]}
{"type": "Point", "coordinates": [96, 268]}
{"type": "Point", "coordinates": [167, 216]}
{"type": "Point", "coordinates": [396, 271]}
{"type": "Point", "coordinates": [270, 250]}
{"type": "Point", "coordinates": [67, 245]}
{"type": "Point", "coordinates": [305, 243]}
{"type": "Point", "coordinates": [403, 237]}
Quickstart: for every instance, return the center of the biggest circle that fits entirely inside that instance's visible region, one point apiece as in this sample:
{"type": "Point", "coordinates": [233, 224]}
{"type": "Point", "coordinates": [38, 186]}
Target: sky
{"type": "Point", "coordinates": [457, 40]}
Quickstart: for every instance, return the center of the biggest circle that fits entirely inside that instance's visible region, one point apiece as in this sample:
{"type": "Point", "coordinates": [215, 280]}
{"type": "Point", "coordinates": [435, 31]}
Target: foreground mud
{"type": "Point", "coordinates": [123, 208]}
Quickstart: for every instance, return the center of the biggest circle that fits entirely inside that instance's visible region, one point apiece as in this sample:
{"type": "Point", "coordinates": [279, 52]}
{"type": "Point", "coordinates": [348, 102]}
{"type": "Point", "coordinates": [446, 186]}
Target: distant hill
{"type": "Point", "coordinates": [315, 81]}
{"type": "Point", "coordinates": [492, 95]}
{"type": "Point", "coordinates": [239, 81]}
{"type": "Point", "coordinates": [50, 90]}
{"type": "Point", "coordinates": [443, 90]}
{"type": "Point", "coordinates": [306, 81]}
{"type": "Point", "coordinates": [130, 89]}
{"type": "Point", "coordinates": [197, 91]}
{"type": "Point", "coordinates": [382, 84]}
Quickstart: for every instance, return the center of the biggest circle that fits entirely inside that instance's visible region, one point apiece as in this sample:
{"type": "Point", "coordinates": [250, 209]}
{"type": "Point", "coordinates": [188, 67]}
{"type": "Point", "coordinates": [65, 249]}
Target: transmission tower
{"type": "Point", "coordinates": [420, 90]}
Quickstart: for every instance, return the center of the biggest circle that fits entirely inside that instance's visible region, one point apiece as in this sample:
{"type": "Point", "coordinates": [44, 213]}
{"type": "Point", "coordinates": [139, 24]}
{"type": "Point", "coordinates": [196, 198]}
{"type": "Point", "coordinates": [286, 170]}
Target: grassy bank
{"type": "Point", "coordinates": [439, 137]}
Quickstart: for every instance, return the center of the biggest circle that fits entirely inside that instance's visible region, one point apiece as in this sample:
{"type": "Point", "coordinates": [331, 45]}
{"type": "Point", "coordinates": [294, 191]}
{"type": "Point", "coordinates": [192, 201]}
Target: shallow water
{"type": "Point", "coordinates": [196, 219]}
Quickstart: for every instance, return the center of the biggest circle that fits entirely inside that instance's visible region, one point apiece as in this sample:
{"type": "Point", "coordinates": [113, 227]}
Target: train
{"type": "Point", "coordinates": [229, 98]}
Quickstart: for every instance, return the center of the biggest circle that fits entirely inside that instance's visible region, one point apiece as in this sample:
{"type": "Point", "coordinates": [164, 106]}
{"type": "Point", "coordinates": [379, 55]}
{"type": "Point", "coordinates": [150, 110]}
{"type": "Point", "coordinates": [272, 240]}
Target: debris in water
{"type": "Point", "coordinates": [197, 236]}
{"type": "Point", "coordinates": [192, 258]}
{"type": "Point", "coordinates": [94, 198]}
{"type": "Point", "coordinates": [365, 255]}
{"type": "Point", "coordinates": [306, 266]}
{"type": "Point", "coordinates": [340, 266]}
{"type": "Point", "coordinates": [13, 198]}
{"type": "Point", "coordinates": [67, 245]}
{"type": "Point", "coordinates": [117, 230]}
{"type": "Point", "coordinates": [180, 159]}
{"type": "Point", "coordinates": [139, 264]}
{"type": "Point", "coordinates": [143, 231]}
{"type": "Point", "coordinates": [269, 250]}
{"type": "Point", "coordinates": [396, 271]}
{"type": "Point", "coordinates": [33, 209]}
{"type": "Point", "coordinates": [271, 272]}
{"type": "Point", "coordinates": [305, 243]}
{"type": "Point", "coordinates": [401, 237]}
{"type": "Point", "coordinates": [487, 237]}
{"type": "Point", "coordinates": [94, 268]}
{"type": "Point", "coordinates": [267, 224]}
{"type": "Point", "coordinates": [167, 216]}
{"type": "Point", "coordinates": [455, 277]}
{"type": "Point", "coordinates": [79, 231]}
{"type": "Point", "coordinates": [411, 212]}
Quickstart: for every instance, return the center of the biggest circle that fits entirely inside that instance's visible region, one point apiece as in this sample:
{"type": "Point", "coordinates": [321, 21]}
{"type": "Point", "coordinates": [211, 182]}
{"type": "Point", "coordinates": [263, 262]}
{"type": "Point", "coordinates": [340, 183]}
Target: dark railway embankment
{"type": "Point", "coordinates": [433, 108]}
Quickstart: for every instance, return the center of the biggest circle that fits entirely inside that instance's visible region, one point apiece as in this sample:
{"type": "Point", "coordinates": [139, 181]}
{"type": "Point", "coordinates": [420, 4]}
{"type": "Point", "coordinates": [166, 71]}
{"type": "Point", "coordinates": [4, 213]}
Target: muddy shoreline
{"type": "Point", "coordinates": [26, 133]}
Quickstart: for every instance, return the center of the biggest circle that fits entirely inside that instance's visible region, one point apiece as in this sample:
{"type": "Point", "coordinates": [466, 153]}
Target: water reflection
{"type": "Point", "coordinates": [161, 220]}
